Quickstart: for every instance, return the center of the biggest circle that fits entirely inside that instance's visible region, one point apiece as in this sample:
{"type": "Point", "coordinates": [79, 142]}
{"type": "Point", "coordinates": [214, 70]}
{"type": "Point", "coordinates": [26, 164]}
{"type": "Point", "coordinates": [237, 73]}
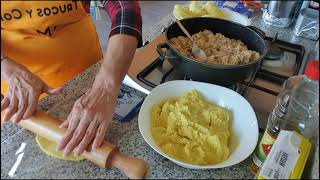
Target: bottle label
{"type": "Point", "coordinates": [263, 148]}
{"type": "Point", "coordinates": [256, 161]}
{"type": "Point", "coordinates": [287, 157]}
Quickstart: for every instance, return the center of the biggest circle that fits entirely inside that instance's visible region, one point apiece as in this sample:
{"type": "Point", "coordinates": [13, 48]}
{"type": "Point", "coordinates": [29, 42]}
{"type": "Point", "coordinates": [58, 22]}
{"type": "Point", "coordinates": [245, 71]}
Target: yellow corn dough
{"type": "Point", "coordinates": [49, 148]}
{"type": "Point", "coordinates": [191, 130]}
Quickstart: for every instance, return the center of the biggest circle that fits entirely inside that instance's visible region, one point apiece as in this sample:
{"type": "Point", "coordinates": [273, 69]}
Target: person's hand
{"type": "Point", "coordinates": [92, 113]}
{"type": "Point", "coordinates": [24, 89]}
{"type": "Point", "coordinates": [88, 121]}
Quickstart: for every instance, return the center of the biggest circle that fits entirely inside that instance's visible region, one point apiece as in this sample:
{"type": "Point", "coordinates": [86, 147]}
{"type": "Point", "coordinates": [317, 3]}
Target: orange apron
{"type": "Point", "coordinates": [55, 40]}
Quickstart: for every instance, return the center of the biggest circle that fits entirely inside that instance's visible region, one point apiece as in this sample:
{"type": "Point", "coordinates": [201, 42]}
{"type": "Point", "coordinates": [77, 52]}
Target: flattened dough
{"type": "Point", "coordinates": [49, 148]}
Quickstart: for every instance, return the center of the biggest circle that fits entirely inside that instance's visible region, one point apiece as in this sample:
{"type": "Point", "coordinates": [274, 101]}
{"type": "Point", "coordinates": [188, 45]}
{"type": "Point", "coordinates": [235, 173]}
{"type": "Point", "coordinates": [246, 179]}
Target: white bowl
{"type": "Point", "coordinates": [244, 125]}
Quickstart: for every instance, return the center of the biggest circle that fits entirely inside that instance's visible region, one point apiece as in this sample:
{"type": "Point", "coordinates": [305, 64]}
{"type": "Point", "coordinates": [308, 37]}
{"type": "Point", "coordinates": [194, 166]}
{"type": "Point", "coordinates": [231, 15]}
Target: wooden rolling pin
{"type": "Point", "coordinates": [107, 155]}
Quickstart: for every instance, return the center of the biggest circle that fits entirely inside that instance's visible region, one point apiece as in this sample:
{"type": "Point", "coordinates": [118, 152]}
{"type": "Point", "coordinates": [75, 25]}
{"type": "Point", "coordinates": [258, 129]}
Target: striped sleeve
{"type": "Point", "coordinates": [125, 17]}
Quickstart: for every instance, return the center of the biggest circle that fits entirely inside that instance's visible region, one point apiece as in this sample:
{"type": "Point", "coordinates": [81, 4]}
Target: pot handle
{"type": "Point", "coordinates": [257, 30]}
{"type": "Point", "coordinates": [161, 52]}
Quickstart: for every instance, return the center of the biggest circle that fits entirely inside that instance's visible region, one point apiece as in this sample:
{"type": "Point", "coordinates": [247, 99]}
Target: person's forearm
{"type": "Point", "coordinates": [3, 64]}
{"type": "Point", "coordinates": [3, 69]}
{"type": "Point", "coordinates": [8, 67]}
{"type": "Point", "coordinates": [116, 61]}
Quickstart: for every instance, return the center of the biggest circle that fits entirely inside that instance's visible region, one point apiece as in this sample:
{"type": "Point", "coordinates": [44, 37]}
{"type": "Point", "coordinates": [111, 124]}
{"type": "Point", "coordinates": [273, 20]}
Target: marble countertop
{"type": "Point", "coordinates": [33, 163]}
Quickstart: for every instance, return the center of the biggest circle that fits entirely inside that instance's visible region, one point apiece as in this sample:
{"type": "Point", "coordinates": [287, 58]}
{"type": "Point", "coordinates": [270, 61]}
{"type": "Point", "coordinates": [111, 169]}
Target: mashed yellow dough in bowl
{"type": "Point", "coordinates": [189, 129]}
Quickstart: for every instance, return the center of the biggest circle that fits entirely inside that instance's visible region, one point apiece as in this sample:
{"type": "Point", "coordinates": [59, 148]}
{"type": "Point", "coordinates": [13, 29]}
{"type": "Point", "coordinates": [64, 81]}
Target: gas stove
{"type": "Point", "coordinates": [281, 62]}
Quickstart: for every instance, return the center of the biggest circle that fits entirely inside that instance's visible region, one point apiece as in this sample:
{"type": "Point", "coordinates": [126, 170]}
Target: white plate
{"type": "Point", "coordinates": [244, 125]}
{"type": "Point", "coordinates": [231, 16]}
{"type": "Point", "coordinates": [236, 17]}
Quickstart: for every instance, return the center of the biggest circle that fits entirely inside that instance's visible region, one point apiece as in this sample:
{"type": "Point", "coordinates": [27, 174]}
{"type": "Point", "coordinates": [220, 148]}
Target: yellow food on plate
{"type": "Point", "coordinates": [189, 129]}
{"type": "Point", "coordinates": [198, 9]}
{"type": "Point", "coordinates": [49, 148]}
{"type": "Point", "coordinates": [213, 11]}
{"type": "Point", "coordinates": [182, 12]}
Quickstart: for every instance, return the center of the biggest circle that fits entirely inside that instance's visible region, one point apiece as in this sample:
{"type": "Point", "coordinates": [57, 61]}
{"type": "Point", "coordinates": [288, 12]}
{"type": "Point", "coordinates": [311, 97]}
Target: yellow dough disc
{"type": "Point", "coordinates": [49, 148]}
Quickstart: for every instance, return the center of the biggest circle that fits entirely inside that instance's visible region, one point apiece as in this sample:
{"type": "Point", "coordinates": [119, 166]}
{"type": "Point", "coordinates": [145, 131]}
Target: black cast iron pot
{"type": "Point", "coordinates": [225, 75]}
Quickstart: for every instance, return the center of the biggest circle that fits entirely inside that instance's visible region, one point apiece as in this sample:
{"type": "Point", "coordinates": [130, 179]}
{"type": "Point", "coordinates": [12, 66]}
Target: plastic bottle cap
{"type": "Point", "coordinates": [312, 70]}
{"type": "Point", "coordinates": [251, 4]}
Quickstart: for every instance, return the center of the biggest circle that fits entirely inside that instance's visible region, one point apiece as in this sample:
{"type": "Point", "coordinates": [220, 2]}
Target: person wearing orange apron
{"type": "Point", "coordinates": [46, 43]}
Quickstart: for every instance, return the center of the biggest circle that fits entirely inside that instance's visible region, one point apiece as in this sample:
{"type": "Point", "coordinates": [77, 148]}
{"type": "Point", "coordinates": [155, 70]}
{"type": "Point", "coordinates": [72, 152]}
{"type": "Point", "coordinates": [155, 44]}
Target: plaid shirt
{"type": "Point", "coordinates": [125, 17]}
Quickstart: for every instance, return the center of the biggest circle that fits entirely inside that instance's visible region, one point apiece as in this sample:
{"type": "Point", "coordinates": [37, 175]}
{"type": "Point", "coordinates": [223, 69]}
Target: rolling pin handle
{"type": "Point", "coordinates": [133, 168]}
